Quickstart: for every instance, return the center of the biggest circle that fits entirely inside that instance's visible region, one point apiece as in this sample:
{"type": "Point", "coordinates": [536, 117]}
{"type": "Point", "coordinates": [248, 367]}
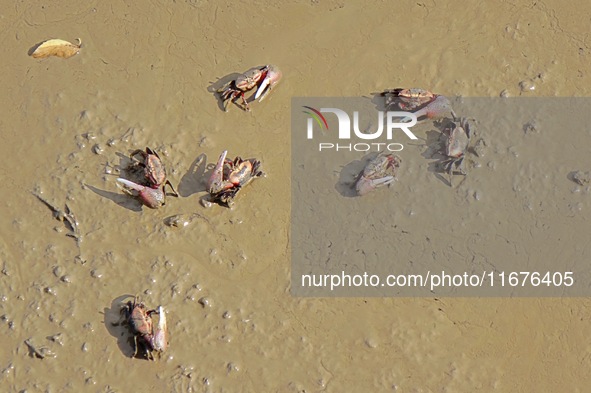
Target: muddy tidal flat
{"type": "Point", "coordinates": [74, 248]}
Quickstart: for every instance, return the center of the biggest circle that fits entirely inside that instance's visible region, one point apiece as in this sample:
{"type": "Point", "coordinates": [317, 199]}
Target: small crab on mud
{"type": "Point", "coordinates": [264, 78]}
{"type": "Point", "coordinates": [423, 103]}
{"type": "Point", "coordinates": [379, 172]}
{"type": "Point", "coordinates": [139, 320]}
{"type": "Point", "coordinates": [228, 177]}
{"type": "Point", "coordinates": [150, 187]}
{"type": "Point", "coordinates": [457, 137]}
{"type": "Point", "coordinates": [154, 170]}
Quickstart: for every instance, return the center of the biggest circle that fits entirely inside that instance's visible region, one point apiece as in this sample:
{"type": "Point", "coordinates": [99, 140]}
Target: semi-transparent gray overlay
{"type": "Point", "coordinates": [517, 223]}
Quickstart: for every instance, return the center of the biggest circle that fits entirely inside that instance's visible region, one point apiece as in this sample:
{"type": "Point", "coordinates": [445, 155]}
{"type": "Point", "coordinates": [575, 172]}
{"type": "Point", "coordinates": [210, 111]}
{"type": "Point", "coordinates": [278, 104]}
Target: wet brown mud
{"type": "Point", "coordinates": [141, 79]}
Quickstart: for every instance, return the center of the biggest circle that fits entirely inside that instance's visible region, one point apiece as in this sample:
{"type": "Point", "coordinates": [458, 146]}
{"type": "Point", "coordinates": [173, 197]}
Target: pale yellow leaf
{"type": "Point", "coordinates": [55, 47]}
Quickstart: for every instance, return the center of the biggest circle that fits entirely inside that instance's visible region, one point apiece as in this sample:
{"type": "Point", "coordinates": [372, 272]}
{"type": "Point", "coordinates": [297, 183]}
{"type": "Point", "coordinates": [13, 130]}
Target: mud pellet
{"type": "Point", "coordinates": [58, 271]}
{"type": "Point", "coordinates": [480, 148]}
{"type": "Point", "coordinates": [205, 302]}
{"type": "Point", "coordinates": [96, 274]}
{"type": "Point", "coordinates": [50, 291]}
{"type": "Point", "coordinates": [175, 290]}
{"type": "Point", "coordinates": [8, 369]}
{"type": "Point", "coordinates": [527, 85]}
{"type": "Point", "coordinates": [371, 343]}
{"type": "Point", "coordinates": [98, 149]}
{"type": "Point", "coordinates": [57, 338]}
{"type": "Point", "coordinates": [530, 127]}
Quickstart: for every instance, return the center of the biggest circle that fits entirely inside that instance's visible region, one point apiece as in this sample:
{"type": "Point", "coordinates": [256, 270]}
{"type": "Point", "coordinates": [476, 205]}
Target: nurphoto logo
{"type": "Point", "coordinates": [394, 120]}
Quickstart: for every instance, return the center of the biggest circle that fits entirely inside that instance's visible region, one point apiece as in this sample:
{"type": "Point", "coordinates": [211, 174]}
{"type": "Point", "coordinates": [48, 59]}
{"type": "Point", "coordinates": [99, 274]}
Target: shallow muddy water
{"type": "Point", "coordinates": [142, 79]}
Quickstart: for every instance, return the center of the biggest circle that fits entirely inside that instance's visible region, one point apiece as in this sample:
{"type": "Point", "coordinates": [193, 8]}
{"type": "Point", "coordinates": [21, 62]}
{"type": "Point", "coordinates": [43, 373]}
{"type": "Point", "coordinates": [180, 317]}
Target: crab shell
{"type": "Point", "coordinates": [153, 168]}
{"type": "Point", "coordinates": [458, 137]}
{"type": "Point", "coordinates": [380, 171]}
{"type": "Point", "coordinates": [243, 171]}
{"type": "Point", "coordinates": [139, 320]}
{"type": "Point", "coordinates": [230, 174]}
{"type": "Point", "coordinates": [228, 177]}
{"type": "Point", "coordinates": [407, 99]}
{"type": "Point", "coordinates": [422, 103]}
{"type": "Point", "coordinates": [250, 78]}
{"type": "Point", "coordinates": [155, 171]}
{"type": "Point", "coordinates": [414, 98]}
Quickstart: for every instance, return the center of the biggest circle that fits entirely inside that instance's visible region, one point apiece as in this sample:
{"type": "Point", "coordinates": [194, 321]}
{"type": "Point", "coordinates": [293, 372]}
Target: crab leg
{"type": "Point", "coordinates": [168, 183]}
{"type": "Point", "coordinates": [244, 102]}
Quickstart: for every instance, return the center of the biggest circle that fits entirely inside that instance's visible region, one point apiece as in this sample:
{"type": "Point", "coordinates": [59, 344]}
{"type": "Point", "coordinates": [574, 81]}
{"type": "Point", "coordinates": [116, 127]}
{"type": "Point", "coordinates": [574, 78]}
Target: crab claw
{"type": "Point", "coordinates": [150, 197]}
{"type": "Point", "coordinates": [159, 340]}
{"type": "Point", "coordinates": [216, 181]}
{"type": "Point", "coordinates": [271, 79]}
{"type": "Point", "coordinates": [366, 185]}
{"type": "Point", "coordinates": [437, 108]}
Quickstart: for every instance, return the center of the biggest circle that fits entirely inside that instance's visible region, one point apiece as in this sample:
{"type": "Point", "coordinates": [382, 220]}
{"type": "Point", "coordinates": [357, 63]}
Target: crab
{"type": "Point", "coordinates": [139, 320]}
{"type": "Point", "coordinates": [228, 177]}
{"type": "Point", "coordinates": [150, 197]}
{"type": "Point", "coordinates": [379, 172]}
{"type": "Point", "coordinates": [264, 78]}
{"type": "Point", "coordinates": [423, 103]}
{"type": "Point", "coordinates": [457, 135]}
{"type": "Point", "coordinates": [154, 170]}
